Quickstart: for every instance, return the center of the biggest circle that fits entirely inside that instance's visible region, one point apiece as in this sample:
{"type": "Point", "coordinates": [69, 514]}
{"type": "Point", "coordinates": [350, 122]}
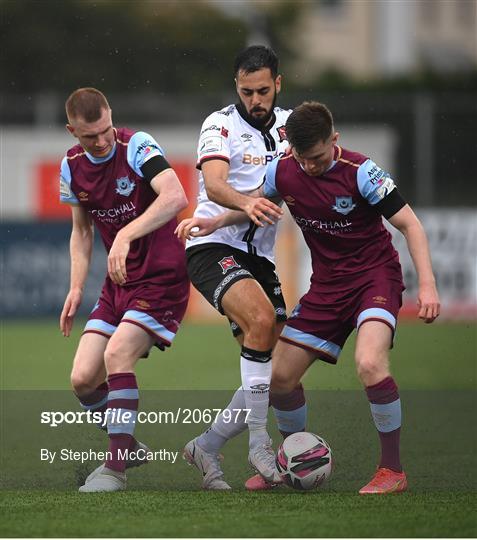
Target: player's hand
{"type": "Point", "coordinates": [70, 307]}
{"type": "Point", "coordinates": [117, 260]}
{"type": "Point", "coordinates": [263, 211]}
{"type": "Point", "coordinates": [195, 226]}
{"type": "Point", "coordinates": [428, 303]}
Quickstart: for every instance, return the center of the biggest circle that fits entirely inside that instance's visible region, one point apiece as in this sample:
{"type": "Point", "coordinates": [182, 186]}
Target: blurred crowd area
{"type": "Point", "coordinates": [400, 77]}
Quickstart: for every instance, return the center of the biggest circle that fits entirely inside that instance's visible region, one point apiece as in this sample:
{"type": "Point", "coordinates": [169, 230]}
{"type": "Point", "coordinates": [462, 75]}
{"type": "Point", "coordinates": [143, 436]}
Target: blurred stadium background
{"type": "Point", "coordinates": [400, 77]}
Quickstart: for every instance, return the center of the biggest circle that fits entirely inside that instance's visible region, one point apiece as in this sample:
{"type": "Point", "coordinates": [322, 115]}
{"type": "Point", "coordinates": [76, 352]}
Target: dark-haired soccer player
{"type": "Point", "coordinates": [233, 268]}
{"type": "Point", "coordinates": [119, 180]}
{"type": "Point", "coordinates": [338, 198]}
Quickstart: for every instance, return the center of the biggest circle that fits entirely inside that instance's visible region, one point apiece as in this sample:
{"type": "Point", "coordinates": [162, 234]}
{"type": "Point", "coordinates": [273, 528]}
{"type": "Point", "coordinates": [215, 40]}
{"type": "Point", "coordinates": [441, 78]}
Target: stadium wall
{"type": "Point", "coordinates": [35, 228]}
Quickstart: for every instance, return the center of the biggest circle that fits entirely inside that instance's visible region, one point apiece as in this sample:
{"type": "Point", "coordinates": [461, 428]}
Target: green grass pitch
{"type": "Point", "coordinates": [435, 367]}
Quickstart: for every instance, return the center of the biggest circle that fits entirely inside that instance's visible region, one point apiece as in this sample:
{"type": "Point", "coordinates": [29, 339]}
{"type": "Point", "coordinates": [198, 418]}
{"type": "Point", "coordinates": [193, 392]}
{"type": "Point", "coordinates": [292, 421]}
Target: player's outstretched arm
{"type": "Point", "coordinates": [81, 247]}
{"type": "Point", "coordinates": [428, 298]}
{"type": "Point", "coordinates": [200, 226]}
{"type": "Point", "coordinates": [258, 209]}
{"type": "Point", "coordinates": [196, 226]}
{"type": "Point", "coordinates": [170, 201]}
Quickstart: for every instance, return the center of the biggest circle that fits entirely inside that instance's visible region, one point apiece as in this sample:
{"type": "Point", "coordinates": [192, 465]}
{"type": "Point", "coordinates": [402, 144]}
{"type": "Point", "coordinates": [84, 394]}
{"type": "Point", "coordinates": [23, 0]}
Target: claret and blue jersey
{"type": "Point", "coordinates": [114, 191]}
{"type": "Point", "coordinates": [337, 212]}
{"type": "Point", "coordinates": [356, 272]}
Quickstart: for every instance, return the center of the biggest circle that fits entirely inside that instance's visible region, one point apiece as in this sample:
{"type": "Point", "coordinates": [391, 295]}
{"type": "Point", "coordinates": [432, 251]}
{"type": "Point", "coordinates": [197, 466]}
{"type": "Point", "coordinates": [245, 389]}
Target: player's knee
{"type": "Point", "coordinates": [282, 382]}
{"type": "Point", "coordinates": [371, 369]}
{"type": "Point", "coordinates": [82, 382]}
{"type": "Point", "coordinates": [116, 359]}
{"type": "Point", "coordinates": [262, 322]}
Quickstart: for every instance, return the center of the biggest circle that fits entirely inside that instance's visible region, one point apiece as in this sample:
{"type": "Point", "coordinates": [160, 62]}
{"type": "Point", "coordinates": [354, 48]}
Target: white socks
{"type": "Point", "coordinates": [228, 424]}
{"type": "Point", "coordinates": [256, 371]}
{"type": "Point", "coordinates": [248, 406]}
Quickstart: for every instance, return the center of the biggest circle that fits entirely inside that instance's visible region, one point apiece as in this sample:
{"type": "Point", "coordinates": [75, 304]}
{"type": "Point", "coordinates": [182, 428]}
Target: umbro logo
{"type": "Point", "coordinates": [262, 387]}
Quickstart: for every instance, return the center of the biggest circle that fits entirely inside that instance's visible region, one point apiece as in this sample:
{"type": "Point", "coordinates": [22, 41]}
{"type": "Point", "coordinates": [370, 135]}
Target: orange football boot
{"type": "Point", "coordinates": [385, 481]}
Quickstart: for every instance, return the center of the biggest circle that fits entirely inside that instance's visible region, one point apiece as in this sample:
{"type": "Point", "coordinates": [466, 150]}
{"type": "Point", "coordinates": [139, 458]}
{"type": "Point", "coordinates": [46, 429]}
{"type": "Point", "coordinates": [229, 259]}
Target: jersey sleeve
{"type": "Point", "coordinates": [214, 139]}
{"type": "Point", "coordinates": [141, 148]}
{"type": "Point", "coordinates": [269, 186]}
{"type": "Point", "coordinates": [374, 183]}
{"type": "Point", "coordinates": [66, 193]}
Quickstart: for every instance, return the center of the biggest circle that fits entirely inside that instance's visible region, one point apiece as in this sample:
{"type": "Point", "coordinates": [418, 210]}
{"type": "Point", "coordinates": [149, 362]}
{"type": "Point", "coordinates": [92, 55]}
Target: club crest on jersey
{"type": "Point", "coordinates": [125, 186]}
{"type": "Point", "coordinates": [282, 134]}
{"type": "Point", "coordinates": [344, 205]}
{"type": "Point", "coordinates": [227, 263]}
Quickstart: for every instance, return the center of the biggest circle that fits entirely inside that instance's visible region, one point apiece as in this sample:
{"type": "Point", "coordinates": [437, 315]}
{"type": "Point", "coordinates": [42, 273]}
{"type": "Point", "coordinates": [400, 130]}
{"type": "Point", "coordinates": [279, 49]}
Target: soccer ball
{"type": "Point", "coordinates": [304, 460]}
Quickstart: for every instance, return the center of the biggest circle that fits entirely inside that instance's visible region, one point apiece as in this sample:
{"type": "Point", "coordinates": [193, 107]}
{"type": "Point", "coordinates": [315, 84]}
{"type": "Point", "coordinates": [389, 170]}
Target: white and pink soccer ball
{"type": "Point", "coordinates": [304, 461]}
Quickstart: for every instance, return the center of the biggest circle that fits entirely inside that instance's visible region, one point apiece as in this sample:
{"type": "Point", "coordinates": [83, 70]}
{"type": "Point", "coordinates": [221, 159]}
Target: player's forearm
{"type": "Point", "coordinates": [231, 217]}
{"type": "Point", "coordinates": [161, 211]}
{"type": "Point", "coordinates": [81, 249]}
{"type": "Point", "coordinates": [418, 247]}
{"type": "Point", "coordinates": [221, 193]}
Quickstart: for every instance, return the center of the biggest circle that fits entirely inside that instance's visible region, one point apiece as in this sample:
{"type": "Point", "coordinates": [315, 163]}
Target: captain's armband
{"type": "Point", "coordinates": [391, 204]}
{"type": "Point", "coordinates": [154, 166]}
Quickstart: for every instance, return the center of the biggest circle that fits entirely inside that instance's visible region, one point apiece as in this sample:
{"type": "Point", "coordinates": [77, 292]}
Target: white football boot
{"type": "Point", "coordinates": [262, 459]}
{"type": "Point", "coordinates": [208, 464]}
{"type": "Point", "coordinates": [130, 463]}
{"type": "Point", "coordinates": [106, 480]}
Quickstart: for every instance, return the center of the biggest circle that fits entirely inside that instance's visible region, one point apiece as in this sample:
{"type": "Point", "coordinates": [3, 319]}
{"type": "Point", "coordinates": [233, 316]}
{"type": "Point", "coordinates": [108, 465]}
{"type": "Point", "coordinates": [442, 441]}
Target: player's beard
{"type": "Point", "coordinates": [257, 122]}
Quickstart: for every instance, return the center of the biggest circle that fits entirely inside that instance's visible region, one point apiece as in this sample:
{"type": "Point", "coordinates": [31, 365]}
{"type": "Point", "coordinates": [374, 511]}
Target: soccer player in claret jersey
{"type": "Point", "coordinates": [119, 180]}
{"type": "Point", "coordinates": [233, 268]}
{"type": "Point", "coordinates": [338, 197]}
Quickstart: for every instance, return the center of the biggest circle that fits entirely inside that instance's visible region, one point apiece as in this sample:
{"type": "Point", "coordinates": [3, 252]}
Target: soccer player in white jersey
{"type": "Point", "coordinates": [233, 268]}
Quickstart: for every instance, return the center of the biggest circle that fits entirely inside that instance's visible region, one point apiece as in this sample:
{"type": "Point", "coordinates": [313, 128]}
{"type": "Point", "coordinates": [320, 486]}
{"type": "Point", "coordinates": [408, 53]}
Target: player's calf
{"type": "Point", "coordinates": [290, 410]}
{"type": "Point", "coordinates": [96, 402]}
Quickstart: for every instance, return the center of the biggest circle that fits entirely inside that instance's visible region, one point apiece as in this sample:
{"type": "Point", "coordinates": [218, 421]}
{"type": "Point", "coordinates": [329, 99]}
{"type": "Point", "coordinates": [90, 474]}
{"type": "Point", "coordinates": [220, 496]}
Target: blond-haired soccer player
{"type": "Point", "coordinates": [120, 181]}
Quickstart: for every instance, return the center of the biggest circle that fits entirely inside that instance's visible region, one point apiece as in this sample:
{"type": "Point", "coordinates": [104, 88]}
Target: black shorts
{"type": "Point", "coordinates": [214, 267]}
